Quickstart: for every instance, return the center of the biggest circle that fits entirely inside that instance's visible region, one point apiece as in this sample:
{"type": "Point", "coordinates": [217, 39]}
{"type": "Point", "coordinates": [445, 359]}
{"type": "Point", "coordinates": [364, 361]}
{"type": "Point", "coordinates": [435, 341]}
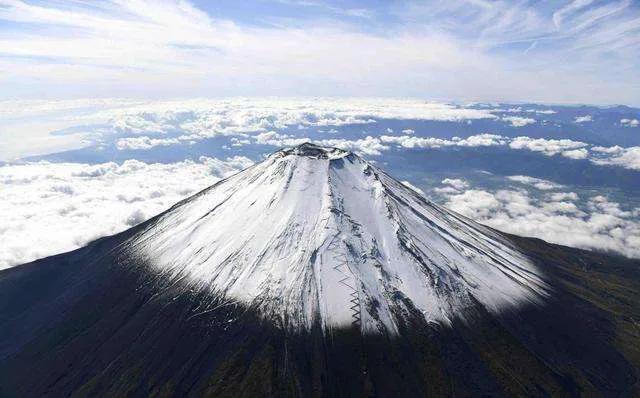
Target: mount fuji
{"type": "Point", "coordinates": [314, 272]}
{"type": "Point", "coordinates": [314, 235]}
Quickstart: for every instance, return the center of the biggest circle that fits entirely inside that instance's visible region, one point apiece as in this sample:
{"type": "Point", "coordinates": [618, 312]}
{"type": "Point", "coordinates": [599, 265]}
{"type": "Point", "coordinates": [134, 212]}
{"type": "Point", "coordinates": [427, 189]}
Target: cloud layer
{"type": "Point", "coordinates": [554, 215]}
{"type": "Point", "coordinates": [144, 125]}
{"type": "Point", "coordinates": [566, 51]}
{"type": "Point", "coordinates": [262, 121]}
{"type": "Point", "coordinates": [50, 208]}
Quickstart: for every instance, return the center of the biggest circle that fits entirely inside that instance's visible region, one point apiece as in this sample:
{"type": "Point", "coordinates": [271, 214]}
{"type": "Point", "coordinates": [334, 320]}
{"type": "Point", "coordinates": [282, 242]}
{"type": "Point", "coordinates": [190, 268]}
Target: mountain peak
{"type": "Point", "coordinates": [316, 235]}
{"type": "Point", "coordinates": [311, 150]}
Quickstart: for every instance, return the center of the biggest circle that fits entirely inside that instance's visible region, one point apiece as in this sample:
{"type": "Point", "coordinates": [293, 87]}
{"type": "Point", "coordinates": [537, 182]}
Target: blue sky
{"type": "Point", "coordinates": [580, 51]}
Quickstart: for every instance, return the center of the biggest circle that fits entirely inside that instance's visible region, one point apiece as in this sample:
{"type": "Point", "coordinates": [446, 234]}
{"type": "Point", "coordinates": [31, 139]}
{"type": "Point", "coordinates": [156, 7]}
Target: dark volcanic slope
{"type": "Point", "coordinates": [80, 323]}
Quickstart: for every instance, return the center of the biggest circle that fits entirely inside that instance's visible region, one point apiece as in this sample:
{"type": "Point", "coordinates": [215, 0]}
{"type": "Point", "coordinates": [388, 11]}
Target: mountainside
{"type": "Point", "coordinates": [314, 235]}
{"type": "Point", "coordinates": [315, 273]}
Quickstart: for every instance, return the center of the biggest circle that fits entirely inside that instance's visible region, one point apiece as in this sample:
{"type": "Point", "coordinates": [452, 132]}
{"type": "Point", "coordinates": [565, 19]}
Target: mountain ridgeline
{"type": "Point", "coordinates": [314, 273]}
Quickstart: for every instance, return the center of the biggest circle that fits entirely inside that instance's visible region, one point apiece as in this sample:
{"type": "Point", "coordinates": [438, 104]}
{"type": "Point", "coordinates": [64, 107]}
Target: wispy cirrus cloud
{"type": "Point", "coordinates": [561, 52]}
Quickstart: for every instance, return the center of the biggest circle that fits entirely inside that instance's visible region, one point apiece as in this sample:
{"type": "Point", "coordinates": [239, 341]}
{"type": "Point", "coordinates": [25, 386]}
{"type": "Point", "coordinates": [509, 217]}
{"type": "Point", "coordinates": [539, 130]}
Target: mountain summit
{"type": "Point", "coordinates": [318, 235]}
{"type": "Point", "coordinates": [315, 273]}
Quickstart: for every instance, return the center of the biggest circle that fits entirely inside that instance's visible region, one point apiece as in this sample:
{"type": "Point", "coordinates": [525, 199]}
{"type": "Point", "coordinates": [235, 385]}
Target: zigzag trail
{"type": "Point", "coordinates": [342, 266]}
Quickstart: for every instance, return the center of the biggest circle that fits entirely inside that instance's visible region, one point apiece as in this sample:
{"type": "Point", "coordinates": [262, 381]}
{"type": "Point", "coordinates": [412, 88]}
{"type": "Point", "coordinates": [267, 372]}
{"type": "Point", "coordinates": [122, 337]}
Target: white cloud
{"type": "Point", "coordinates": [478, 140]}
{"type": "Point", "coordinates": [583, 119]}
{"type": "Point", "coordinates": [610, 150]}
{"type": "Point", "coordinates": [576, 154]}
{"type": "Point", "coordinates": [549, 147]}
{"type": "Point", "coordinates": [569, 10]}
{"type": "Point", "coordinates": [610, 156]}
{"type": "Point", "coordinates": [415, 142]}
{"type": "Point", "coordinates": [446, 190]}
{"type": "Point", "coordinates": [456, 183]}
{"type": "Point", "coordinates": [172, 122]}
{"type": "Point", "coordinates": [260, 118]}
{"type": "Point", "coordinates": [242, 115]}
{"type": "Point", "coordinates": [193, 120]}
{"type": "Point", "coordinates": [563, 196]}
{"type": "Point", "coordinates": [577, 150]}
{"type": "Point", "coordinates": [144, 125]}
{"type": "Point", "coordinates": [277, 139]}
{"type": "Point", "coordinates": [520, 110]}
{"type": "Point", "coordinates": [538, 183]}
{"type": "Point", "coordinates": [365, 146]}
{"type": "Point", "coordinates": [135, 44]}
{"type": "Point", "coordinates": [144, 142]}
{"type": "Point", "coordinates": [630, 122]}
{"type": "Point", "coordinates": [452, 186]}
{"type": "Point", "coordinates": [602, 226]}
{"type": "Point", "coordinates": [618, 156]}
{"type": "Point", "coordinates": [517, 121]}
{"type": "Point", "coordinates": [562, 208]}
{"type": "Point", "coordinates": [50, 208]}
{"type": "Point", "coordinates": [172, 48]}
{"type": "Point", "coordinates": [38, 108]}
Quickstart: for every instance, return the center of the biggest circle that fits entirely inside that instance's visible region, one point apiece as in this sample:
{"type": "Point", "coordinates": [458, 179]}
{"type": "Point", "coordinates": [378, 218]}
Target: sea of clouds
{"type": "Point", "coordinates": [49, 208]}
{"type": "Point", "coordinates": [546, 210]}
{"type": "Point", "coordinates": [145, 125]}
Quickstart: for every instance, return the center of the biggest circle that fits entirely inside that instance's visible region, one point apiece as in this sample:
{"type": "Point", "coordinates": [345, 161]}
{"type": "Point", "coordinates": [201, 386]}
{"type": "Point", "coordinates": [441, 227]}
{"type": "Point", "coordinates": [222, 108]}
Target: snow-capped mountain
{"type": "Point", "coordinates": [318, 235]}
{"type": "Point", "coordinates": [314, 273]}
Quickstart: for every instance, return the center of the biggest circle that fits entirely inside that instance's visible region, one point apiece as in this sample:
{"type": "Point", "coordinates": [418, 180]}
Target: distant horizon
{"type": "Point", "coordinates": [451, 101]}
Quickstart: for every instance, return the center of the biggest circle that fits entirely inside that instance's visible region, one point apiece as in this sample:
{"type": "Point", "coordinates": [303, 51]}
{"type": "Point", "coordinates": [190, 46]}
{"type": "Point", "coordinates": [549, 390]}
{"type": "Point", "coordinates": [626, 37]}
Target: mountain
{"type": "Point", "coordinates": [319, 236]}
{"type": "Point", "coordinates": [316, 273]}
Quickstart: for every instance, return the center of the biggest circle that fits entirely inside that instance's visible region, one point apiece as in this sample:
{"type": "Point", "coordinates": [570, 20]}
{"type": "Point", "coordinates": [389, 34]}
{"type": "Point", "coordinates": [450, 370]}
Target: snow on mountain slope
{"type": "Point", "coordinates": [318, 235]}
